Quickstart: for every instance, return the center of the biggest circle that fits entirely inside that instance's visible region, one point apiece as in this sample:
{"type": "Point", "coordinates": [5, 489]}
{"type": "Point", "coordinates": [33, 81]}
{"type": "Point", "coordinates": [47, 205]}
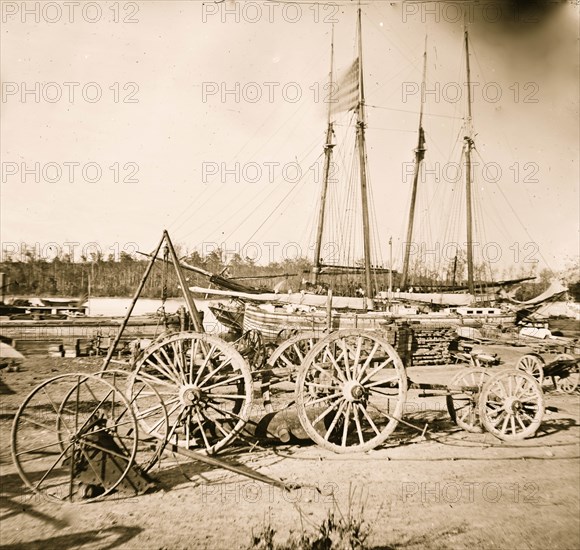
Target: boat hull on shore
{"type": "Point", "coordinates": [271, 321]}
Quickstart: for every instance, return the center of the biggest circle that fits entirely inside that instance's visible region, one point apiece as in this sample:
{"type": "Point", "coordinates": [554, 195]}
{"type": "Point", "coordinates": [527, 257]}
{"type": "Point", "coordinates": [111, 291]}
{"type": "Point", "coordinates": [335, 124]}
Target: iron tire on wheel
{"type": "Point", "coordinates": [511, 405]}
{"type": "Point", "coordinates": [206, 388]}
{"type": "Point", "coordinates": [351, 373]}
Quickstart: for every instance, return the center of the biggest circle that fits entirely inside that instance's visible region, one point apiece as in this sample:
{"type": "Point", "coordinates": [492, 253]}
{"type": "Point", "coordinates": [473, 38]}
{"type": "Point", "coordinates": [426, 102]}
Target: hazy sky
{"type": "Point", "coordinates": [116, 122]}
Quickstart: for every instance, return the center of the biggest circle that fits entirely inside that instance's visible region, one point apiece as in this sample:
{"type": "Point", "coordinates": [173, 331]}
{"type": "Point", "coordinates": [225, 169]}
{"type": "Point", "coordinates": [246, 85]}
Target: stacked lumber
{"type": "Point", "coordinates": [430, 345]}
{"type": "Point", "coordinates": [70, 347]}
{"type": "Point", "coordinates": [39, 347]}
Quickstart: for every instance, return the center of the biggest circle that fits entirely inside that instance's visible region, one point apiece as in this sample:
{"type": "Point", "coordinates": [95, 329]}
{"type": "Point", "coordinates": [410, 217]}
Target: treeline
{"type": "Point", "coordinates": [120, 277]}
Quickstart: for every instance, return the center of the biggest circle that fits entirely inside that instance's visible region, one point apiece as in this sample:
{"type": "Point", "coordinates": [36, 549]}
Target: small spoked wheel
{"type": "Point", "coordinates": [74, 438]}
{"type": "Point", "coordinates": [569, 382]}
{"type": "Point", "coordinates": [278, 380]}
{"type": "Point", "coordinates": [533, 364]}
{"type": "Point", "coordinates": [350, 391]}
{"type": "Point", "coordinates": [205, 386]}
{"type": "Point", "coordinates": [511, 405]}
{"type": "Point", "coordinates": [463, 396]}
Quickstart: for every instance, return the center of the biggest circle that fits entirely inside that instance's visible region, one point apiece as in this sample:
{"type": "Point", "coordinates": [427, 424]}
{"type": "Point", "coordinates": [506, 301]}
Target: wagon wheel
{"type": "Point", "coordinates": [511, 405]}
{"type": "Point", "coordinates": [251, 346]}
{"type": "Point", "coordinates": [350, 391]}
{"type": "Point", "coordinates": [533, 363]}
{"type": "Point", "coordinates": [145, 402]}
{"type": "Point", "coordinates": [205, 385]}
{"type": "Point", "coordinates": [567, 384]}
{"type": "Point", "coordinates": [279, 376]}
{"type": "Point", "coordinates": [462, 403]}
{"type": "Point", "coordinates": [58, 449]}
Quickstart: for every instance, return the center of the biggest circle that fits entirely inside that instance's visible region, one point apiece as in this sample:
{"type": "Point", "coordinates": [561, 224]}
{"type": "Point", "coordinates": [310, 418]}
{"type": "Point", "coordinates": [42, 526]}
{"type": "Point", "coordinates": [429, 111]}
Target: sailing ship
{"type": "Point", "coordinates": [471, 304]}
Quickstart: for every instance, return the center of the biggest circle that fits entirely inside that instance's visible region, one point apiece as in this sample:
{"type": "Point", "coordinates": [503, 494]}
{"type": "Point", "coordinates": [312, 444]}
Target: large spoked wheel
{"type": "Point", "coordinates": [278, 380]}
{"type": "Point", "coordinates": [205, 386]}
{"type": "Point", "coordinates": [350, 391]}
{"type": "Point", "coordinates": [533, 364]}
{"type": "Point", "coordinates": [511, 405]}
{"type": "Point", "coordinates": [463, 396]}
{"type": "Point", "coordinates": [74, 438]}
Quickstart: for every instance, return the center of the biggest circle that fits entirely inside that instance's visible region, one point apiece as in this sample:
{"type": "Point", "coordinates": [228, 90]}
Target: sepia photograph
{"type": "Point", "coordinates": [290, 274]}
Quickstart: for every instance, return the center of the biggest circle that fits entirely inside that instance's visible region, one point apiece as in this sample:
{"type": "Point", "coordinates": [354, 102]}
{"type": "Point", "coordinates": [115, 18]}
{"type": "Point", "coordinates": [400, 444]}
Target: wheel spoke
{"type": "Point", "coordinates": [40, 448]}
{"type": "Point", "coordinates": [344, 354]}
{"type": "Point", "coordinates": [327, 373]}
{"type": "Point", "coordinates": [51, 469]}
{"type": "Point", "coordinates": [201, 429]}
{"type": "Point", "coordinates": [345, 428]}
{"type": "Point", "coordinates": [381, 382]}
{"type": "Point", "coordinates": [335, 419]}
{"type": "Point", "coordinates": [334, 364]}
{"type": "Point", "coordinates": [112, 452]}
{"type": "Point", "coordinates": [368, 359]}
{"type": "Point", "coordinates": [375, 370]}
{"type": "Point", "coordinates": [203, 366]}
{"type": "Point", "coordinates": [167, 367]}
{"type": "Point", "coordinates": [369, 419]}
{"type": "Point", "coordinates": [325, 398]}
{"type": "Point", "coordinates": [226, 363]}
{"type": "Point", "coordinates": [323, 414]}
{"type": "Point", "coordinates": [357, 424]}
{"type": "Point", "coordinates": [153, 380]}
{"type": "Point", "coordinates": [356, 360]}
{"type": "Point", "coordinates": [505, 423]}
{"type": "Point", "coordinates": [224, 382]}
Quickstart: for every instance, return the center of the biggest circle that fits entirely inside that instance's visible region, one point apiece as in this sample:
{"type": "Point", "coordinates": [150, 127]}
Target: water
{"type": "Point", "coordinates": [117, 307]}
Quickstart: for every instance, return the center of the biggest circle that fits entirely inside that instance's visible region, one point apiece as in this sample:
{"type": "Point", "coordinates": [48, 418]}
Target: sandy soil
{"type": "Point", "coordinates": [453, 490]}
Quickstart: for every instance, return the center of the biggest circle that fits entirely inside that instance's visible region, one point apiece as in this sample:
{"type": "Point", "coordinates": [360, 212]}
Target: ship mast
{"type": "Point", "coordinates": [328, 146]}
{"type": "Point", "coordinates": [419, 156]}
{"type": "Point", "coordinates": [362, 162]}
{"type": "Point", "coordinates": [468, 146]}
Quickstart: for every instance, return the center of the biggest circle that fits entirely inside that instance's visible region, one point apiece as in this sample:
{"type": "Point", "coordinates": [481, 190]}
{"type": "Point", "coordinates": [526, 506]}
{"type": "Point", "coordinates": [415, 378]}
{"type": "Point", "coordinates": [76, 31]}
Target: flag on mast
{"type": "Point", "coordinates": [345, 95]}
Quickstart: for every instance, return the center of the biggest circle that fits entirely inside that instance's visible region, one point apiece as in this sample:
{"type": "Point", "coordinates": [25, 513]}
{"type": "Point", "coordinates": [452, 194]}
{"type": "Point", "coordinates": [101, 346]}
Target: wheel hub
{"type": "Point", "coordinates": [353, 391]}
{"type": "Point", "coordinates": [512, 405]}
{"type": "Point", "coordinates": [190, 395]}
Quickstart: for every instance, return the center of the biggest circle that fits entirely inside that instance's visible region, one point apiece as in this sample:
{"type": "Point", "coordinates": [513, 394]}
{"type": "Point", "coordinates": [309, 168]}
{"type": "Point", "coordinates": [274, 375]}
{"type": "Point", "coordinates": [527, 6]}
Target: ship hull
{"type": "Point", "coordinates": [271, 322]}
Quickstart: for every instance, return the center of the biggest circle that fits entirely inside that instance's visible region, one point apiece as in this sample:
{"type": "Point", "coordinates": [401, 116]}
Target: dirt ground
{"type": "Point", "coordinates": [451, 490]}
